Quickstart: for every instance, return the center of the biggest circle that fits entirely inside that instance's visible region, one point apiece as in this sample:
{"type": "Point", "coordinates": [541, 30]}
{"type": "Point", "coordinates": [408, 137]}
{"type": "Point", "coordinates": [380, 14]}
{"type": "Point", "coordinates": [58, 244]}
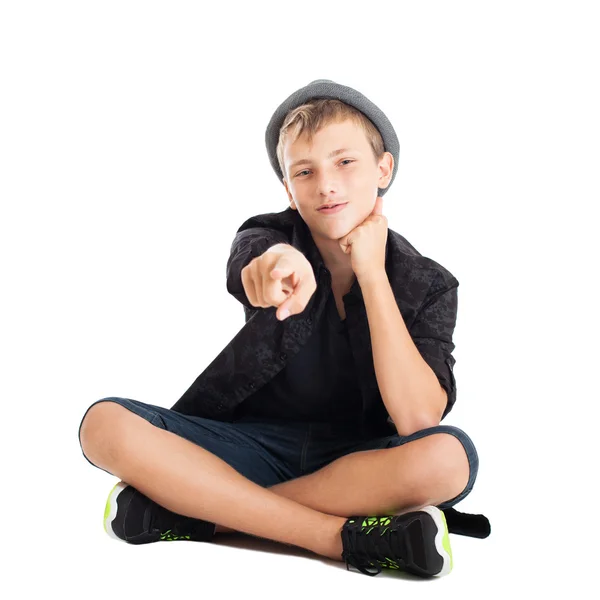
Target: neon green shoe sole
{"type": "Point", "coordinates": [416, 542]}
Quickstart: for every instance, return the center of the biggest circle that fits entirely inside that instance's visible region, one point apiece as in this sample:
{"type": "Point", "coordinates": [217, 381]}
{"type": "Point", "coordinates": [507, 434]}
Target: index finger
{"type": "Point", "coordinates": [299, 298]}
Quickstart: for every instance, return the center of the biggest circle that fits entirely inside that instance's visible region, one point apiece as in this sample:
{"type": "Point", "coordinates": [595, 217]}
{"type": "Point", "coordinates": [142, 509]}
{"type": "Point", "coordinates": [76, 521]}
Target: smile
{"type": "Point", "coordinates": [335, 209]}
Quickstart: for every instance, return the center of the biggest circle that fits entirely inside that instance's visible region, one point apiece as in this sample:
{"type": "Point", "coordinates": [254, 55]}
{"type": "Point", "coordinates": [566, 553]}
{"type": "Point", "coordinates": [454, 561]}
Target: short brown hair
{"type": "Point", "coordinates": [309, 118]}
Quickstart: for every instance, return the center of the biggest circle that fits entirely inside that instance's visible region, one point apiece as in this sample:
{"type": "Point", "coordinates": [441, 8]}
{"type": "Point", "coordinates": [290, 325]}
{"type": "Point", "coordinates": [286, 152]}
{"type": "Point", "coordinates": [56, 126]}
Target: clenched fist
{"type": "Point", "coordinates": [282, 277]}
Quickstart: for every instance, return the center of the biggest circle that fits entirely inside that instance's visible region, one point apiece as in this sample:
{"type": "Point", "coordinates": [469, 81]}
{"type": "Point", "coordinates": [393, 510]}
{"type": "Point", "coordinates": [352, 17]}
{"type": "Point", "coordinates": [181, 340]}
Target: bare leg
{"type": "Point", "coordinates": [427, 471]}
{"type": "Point", "coordinates": [193, 482]}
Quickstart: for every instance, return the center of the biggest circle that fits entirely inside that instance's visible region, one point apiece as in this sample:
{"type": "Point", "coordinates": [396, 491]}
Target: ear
{"type": "Point", "coordinates": [386, 168]}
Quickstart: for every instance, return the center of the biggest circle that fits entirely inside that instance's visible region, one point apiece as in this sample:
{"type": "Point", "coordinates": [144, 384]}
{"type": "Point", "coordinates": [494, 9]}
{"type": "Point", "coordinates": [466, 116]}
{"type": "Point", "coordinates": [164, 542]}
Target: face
{"type": "Point", "coordinates": [350, 177]}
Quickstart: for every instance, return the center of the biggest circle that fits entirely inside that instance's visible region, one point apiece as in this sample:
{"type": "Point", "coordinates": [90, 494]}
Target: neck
{"type": "Point", "coordinates": [333, 256]}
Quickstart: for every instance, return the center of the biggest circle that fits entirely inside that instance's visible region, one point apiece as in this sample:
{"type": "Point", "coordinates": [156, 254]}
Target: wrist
{"type": "Point", "coordinates": [372, 278]}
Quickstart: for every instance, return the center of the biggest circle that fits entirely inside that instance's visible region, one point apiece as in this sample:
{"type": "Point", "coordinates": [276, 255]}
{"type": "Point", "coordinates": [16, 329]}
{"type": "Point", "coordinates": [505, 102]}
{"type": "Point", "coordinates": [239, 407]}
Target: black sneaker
{"type": "Point", "coordinates": [133, 517]}
{"type": "Point", "coordinates": [416, 542]}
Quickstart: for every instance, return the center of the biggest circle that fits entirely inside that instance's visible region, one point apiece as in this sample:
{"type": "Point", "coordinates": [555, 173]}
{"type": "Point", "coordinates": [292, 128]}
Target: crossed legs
{"type": "Point", "coordinates": [427, 471]}
{"type": "Point", "coordinates": [308, 512]}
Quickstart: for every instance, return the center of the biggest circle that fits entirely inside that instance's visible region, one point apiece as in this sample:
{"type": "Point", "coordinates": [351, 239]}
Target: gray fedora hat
{"type": "Point", "coordinates": [325, 88]}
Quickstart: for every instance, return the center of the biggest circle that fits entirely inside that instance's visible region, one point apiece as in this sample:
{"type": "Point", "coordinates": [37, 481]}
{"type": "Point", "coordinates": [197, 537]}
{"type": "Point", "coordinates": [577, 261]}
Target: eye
{"type": "Point", "coordinates": [346, 160]}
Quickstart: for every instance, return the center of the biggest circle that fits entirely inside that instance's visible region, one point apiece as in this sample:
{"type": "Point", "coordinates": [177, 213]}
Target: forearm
{"type": "Point", "coordinates": [409, 388]}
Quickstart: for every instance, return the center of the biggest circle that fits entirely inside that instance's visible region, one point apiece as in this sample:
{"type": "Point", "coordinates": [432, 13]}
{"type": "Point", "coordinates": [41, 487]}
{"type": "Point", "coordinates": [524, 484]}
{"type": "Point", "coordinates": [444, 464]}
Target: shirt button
{"type": "Point", "coordinates": [252, 386]}
{"type": "Point", "coordinates": [283, 356]}
{"type": "Point", "coordinates": [309, 320]}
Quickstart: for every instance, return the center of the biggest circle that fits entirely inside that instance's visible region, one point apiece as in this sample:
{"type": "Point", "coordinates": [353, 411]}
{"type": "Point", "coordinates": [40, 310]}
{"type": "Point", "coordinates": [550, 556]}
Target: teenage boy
{"type": "Point", "coordinates": [319, 424]}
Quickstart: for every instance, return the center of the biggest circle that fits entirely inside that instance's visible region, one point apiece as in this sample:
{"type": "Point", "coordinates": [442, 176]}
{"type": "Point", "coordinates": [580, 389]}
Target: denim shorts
{"type": "Point", "coordinates": [273, 451]}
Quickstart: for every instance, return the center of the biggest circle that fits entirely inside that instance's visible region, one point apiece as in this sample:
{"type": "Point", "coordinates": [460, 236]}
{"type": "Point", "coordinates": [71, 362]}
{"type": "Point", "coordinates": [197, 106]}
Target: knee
{"type": "Point", "coordinates": [452, 460]}
{"type": "Point", "coordinates": [100, 430]}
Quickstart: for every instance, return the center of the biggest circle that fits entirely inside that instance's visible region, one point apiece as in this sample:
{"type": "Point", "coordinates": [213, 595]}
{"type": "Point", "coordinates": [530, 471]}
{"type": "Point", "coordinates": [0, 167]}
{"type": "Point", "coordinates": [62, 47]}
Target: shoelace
{"type": "Point", "coordinates": [377, 545]}
{"type": "Point", "coordinates": [174, 534]}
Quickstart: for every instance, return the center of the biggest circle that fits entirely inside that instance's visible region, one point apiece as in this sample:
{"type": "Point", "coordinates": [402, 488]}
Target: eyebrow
{"type": "Point", "coordinates": [331, 155]}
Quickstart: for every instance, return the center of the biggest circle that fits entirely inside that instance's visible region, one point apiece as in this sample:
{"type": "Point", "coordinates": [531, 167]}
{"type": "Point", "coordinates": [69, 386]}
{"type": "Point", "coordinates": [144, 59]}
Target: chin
{"type": "Point", "coordinates": [338, 231]}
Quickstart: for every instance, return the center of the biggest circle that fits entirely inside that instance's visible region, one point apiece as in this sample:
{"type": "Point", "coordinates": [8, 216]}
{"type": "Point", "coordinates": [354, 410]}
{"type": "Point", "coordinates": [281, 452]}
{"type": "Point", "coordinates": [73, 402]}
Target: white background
{"type": "Point", "coordinates": [131, 150]}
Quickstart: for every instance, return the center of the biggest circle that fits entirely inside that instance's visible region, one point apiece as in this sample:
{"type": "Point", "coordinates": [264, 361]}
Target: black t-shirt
{"type": "Point", "coordinates": [319, 384]}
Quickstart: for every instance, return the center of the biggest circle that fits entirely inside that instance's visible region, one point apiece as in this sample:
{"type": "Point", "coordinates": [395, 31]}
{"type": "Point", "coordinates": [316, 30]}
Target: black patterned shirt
{"type": "Point", "coordinates": [265, 368]}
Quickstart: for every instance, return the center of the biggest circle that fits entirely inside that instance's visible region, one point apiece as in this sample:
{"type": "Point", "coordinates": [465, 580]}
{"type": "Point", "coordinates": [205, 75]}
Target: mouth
{"type": "Point", "coordinates": [335, 208]}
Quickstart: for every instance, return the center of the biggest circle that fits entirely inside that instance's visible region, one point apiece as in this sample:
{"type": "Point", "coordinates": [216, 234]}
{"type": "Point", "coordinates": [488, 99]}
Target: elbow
{"type": "Point", "coordinates": [424, 421]}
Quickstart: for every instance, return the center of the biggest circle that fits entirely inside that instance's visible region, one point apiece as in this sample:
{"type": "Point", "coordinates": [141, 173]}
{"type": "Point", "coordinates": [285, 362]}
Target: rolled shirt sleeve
{"type": "Point", "coordinates": [432, 332]}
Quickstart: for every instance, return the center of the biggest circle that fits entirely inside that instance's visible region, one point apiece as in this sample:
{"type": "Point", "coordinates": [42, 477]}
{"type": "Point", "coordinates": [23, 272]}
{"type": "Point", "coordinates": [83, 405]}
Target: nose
{"type": "Point", "coordinates": [326, 185]}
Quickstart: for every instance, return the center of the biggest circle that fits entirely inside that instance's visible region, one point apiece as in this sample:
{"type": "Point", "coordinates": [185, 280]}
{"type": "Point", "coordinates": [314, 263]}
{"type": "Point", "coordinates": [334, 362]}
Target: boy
{"type": "Point", "coordinates": [318, 425]}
